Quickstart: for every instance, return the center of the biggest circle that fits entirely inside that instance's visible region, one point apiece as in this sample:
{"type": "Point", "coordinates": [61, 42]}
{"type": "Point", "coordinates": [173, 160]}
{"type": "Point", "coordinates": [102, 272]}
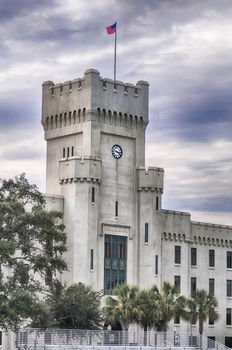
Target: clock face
{"type": "Point", "coordinates": [116, 151]}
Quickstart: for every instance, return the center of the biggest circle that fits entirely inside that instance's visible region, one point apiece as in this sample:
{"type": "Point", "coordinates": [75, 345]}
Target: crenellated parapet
{"type": "Point", "coordinates": [204, 233]}
{"type": "Point", "coordinates": [172, 236]}
{"type": "Point", "coordinates": [94, 98]}
{"type": "Point", "coordinates": [76, 169]}
{"type": "Point", "coordinates": [150, 179]}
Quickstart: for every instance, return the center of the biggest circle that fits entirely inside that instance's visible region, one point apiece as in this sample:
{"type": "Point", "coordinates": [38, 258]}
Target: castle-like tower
{"type": "Point", "coordinates": [112, 205]}
{"type": "Point", "coordinates": [95, 132]}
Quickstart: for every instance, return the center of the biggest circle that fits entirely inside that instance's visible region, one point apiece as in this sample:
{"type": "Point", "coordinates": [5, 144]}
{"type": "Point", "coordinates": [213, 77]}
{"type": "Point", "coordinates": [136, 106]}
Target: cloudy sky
{"type": "Point", "coordinates": [183, 48]}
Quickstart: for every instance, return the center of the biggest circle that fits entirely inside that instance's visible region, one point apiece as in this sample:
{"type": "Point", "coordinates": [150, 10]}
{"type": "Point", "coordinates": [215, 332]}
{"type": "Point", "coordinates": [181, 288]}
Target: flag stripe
{"type": "Point", "coordinates": [111, 29]}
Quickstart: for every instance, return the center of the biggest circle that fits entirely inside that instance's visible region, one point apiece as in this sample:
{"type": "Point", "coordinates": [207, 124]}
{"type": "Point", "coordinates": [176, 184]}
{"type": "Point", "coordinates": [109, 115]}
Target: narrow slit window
{"type": "Point", "coordinates": [68, 152]}
{"type": "Point", "coordinates": [146, 233]}
{"type": "Point", "coordinates": [157, 203]}
{"type": "Point", "coordinates": [93, 195]}
{"type": "Point", "coordinates": [63, 152]}
{"type": "Point", "coordinates": [156, 264]}
{"type": "Point", "coordinates": [72, 151]}
{"type": "Point", "coordinates": [91, 259]}
{"type": "Point", "coordinates": [116, 209]}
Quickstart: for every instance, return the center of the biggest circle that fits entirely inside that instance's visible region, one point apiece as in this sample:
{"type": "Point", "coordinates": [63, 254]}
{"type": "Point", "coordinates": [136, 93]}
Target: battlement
{"type": "Point", "coordinates": [84, 97]}
{"type": "Point", "coordinates": [150, 178]}
{"type": "Point", "coordinates": [80, 169]}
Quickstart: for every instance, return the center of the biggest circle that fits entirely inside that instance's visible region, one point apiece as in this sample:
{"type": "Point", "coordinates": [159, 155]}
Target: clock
{"type": "Point", "coordinates": [116, 151]}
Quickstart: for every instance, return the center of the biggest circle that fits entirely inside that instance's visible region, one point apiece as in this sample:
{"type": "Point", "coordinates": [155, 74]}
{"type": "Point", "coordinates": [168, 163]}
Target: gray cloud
{"type": "Point", "coordinates": [183, 48]}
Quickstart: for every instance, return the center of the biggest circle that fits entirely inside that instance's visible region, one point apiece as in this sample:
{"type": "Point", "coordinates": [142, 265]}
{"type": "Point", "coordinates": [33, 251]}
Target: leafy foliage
{"type": "Point", "coordinates": [123, 307]}
{"type": "Point", "coordinates": [170, 304]}
{"type": "Point", "coordinates": [32, 241]}
{"type": "Point", "coordinates": [76, 306]}
{"type": "Point", "coordinates": [202, 306]}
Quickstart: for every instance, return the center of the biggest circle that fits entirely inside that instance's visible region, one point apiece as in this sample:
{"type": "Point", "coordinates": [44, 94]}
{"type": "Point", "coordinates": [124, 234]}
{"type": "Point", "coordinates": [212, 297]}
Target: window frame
{"type": "Point", "coordinates": [211, 257]}
{"type": "Point", "coordinates": [193, 256]}
{"type": "Point", "coordinates": [177, 254]}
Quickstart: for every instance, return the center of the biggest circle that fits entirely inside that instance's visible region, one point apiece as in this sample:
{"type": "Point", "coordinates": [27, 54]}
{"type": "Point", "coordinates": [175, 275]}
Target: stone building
{"type": "Point", "coordinates": [112, 204]}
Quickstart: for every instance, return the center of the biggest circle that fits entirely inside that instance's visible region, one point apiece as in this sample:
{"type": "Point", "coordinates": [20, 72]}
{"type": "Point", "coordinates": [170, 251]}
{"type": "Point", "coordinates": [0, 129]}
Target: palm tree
{"type": "Point", "coordinates": [202, 305]}
{"type": "Point", "coordinates": [147, 303]}
{"type": "Point", "coordinates": [170, 304]}
{"type": "Point", "coordinates": [124, 306]}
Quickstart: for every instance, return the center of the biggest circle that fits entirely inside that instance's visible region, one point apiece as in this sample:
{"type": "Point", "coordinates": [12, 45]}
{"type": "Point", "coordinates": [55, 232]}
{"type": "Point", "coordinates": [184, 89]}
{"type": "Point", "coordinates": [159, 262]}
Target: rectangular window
{"type": "Point", "coordinates": [146, 233]}
{"type": "Point", "coordinates": [211, 258]}
{"type": "Point", "coordinates": [115, 262]}
{"type": "Point", "coordinates": [211, 322]}
{"type": "Point", "coordinates": [48, 338]}
{"type": "Point", "coordinates": [156, 265]}
{"type": "Point", "coordinates": [193, 256]}
{"type": "Point", "coordinates": [63, 152]}
{"type": "Point", "coordinates": [177, 254]}
{"type": "Point", "coordinates": [229, 288]}
{"type": "Point", "coordinates": [211, 286]}
{"type": "Point", "coordinates": [0, 337]}
{"type": "Point", "coordinates": [91, 259]}
{"type": "Point", "coordinates": [177, 320]}
{"type": "Point", "coordinates": [228, 342]}
{"type": "Point", "coordinates": [229, 260]}
{"type": "Point", "coordinates": [193, 340]}
{"type": "Point", "coordinates": [72, 151]}
{"type": "Point", "coordinates": [93, 195]}
{"type": "Point", "coordinates": [177, 282]}
{"type": "Point", "coordinates": [211, 342]}
{"type": "Point", "coordinates": [228, 317]}
{"type": "Point", "coordinates": [116, 209]}
{"type": "Point", "coordinates": [67, 152]}
{"type": "Point", "coordinates": [157, 203]}
{"type": "Point", "coordinates": [193, 284]}
{"type": "Point", "coordinates": [193, 318]}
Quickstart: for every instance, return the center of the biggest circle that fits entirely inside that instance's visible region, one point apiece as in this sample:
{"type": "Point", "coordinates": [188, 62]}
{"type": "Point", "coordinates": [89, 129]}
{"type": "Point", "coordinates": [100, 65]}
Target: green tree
{"type": "Point", "coordinates": [32, 241]}
{"type": "Point", "coordinates": [123, 306]}
{"type": "Point", "coordinates": [170, 304]}
{"type": "Point", "coordinates": [202, 306]}
{"type": "Point", "coordinates": [148, 309]}
{"type": "Point", "coordinates": [76, 306]}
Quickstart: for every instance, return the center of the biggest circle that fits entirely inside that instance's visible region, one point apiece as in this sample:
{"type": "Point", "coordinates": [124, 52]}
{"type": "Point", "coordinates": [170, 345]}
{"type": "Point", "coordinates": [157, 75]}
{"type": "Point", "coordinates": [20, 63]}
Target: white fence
{"type": "Point", "coordinates": [52, 339]}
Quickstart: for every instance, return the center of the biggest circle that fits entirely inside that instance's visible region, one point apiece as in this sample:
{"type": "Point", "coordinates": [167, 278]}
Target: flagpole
{"type": "Point", "coordinates": [115, 51]}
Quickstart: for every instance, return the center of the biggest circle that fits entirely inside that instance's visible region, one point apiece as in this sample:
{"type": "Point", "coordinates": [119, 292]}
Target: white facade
{"type": "Point", "coordinates": [112, 205]}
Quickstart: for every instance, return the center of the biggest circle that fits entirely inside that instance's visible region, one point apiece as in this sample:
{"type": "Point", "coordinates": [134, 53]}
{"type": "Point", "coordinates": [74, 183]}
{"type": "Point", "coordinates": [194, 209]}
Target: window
{"type": "Point", "coordinates": [157, 203]}
{"type": "Point", "coordinates": [0, 337]}
{"type": "Point", "coordinates": [63, 152]}
{"type": "Point", "coordinates": [115, 262]}
{"type": "Point", "coordinates": [211, 258]}
{"type": "Point", "coordinates": [67, 152]}
{"type": "Point", "coordinates": [116, 209]}
{"type": "Point", "coordinates": [91, 259]}
{"type": "Point", "coordinates": [211, 322]}
{"type": "Point", "coordinates": [156, 265]}
{"type": "Point", "coordinates": [193, 256]}
{"type": "Point", "coordinates": [177, 254]}
{"type": "Point", "coordinates": [228, 317]}
{"type": "Point", "coordinates": [72, 151]}
{"type": "Point", "coordinates": [177, 282]}
{"type": "Point", "coordinates": [177, 320]}
{"type": "Point", "coordinates": [211, 342]}
{"type": "Point", "coordinates": [211, 286]}
{"type": "Point", "coordinates": [47, 338]}
{"type": "Point", "coordinates": [193, 340]}
{"type": "Point", "coordinates": [93, 195]}
{"type": "Point", "coordinates": [228, 342]}
{"type": "Point", "coordinates": [229, 288]}
{"type": "Point", "coordinates": [193, 284]}
{"type": "Point", "coordinates": [193, 318]}
{"type": "Point", "coordinates": [229, 260]}
{"type": "Point", "coordinates": [146, 233]}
